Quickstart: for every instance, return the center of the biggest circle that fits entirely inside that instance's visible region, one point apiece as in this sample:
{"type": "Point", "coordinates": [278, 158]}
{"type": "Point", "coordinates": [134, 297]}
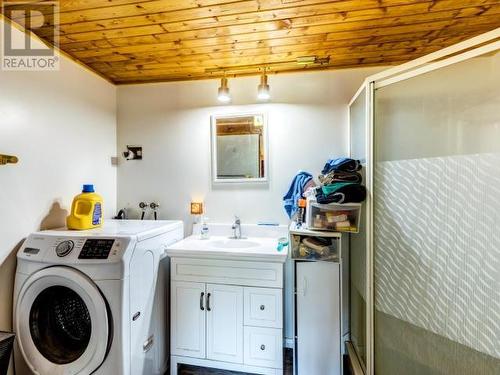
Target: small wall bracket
{"type": "Point", "coordinates": [133, 153]}
{"type": "Point", "coordinates": [8, 159]}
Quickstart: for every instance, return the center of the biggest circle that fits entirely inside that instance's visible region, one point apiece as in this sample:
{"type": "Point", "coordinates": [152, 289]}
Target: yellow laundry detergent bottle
{"type": "Point", "coordinates": [86, 210]}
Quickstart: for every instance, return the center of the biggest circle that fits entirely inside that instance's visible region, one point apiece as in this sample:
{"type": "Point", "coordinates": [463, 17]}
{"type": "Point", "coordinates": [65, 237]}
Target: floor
{"type": "Point", "coordinates": [193, 370]}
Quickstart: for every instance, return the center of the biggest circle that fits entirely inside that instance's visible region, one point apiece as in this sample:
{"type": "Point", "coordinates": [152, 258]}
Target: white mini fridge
{"type": "Point", "coordinates": [321, 324]}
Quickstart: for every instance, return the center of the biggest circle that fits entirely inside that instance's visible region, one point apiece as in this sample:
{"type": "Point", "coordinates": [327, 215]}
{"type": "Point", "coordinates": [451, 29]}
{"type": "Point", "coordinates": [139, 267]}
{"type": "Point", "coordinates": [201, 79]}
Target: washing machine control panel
{"type": "Point", "coordinates": [74, 249]}
{"type": "Point", "coordinates": [96, 249]}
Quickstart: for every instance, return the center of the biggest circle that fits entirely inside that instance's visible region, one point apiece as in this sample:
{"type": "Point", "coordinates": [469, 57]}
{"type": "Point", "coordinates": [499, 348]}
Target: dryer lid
{"type": "Point", "coordinates": [62, 322]}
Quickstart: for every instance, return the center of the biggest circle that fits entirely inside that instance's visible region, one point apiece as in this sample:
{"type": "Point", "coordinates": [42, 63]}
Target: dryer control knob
{"type": "Point", "coordinates": [64, 248]}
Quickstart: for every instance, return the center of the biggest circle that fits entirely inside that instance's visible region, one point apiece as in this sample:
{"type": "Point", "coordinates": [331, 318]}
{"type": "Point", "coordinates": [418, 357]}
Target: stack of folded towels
{"type": "Point", "coordinates": [341, 182]}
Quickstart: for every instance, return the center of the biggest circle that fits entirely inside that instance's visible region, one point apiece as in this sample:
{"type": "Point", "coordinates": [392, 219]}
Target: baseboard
{"type": "Point", "coordinates": [177, 360]}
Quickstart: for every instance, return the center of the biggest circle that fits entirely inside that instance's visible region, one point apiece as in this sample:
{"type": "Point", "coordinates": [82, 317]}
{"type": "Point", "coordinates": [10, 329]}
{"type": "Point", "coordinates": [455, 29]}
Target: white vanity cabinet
{"type": "Point", "coordinates": [207, 321]}
{"type": "Point", "coordinates": [227, 314]}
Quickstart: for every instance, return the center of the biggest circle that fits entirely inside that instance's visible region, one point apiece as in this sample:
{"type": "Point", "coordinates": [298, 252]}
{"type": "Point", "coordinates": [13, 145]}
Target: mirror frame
{"type": "Point", "coordinates": [213, 148]}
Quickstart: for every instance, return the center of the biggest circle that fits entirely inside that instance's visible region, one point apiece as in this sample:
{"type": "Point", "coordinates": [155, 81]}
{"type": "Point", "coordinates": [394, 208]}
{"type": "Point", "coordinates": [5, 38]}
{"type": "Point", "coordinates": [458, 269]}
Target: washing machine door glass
{"type": "Point", "coordinates": [63, 322]}
{"type": "Point", "coordinates": [60, 324]}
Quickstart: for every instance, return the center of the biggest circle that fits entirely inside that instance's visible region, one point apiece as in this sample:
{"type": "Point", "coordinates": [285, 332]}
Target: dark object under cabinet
{"type": "Point", "coordinates": [6, 343]}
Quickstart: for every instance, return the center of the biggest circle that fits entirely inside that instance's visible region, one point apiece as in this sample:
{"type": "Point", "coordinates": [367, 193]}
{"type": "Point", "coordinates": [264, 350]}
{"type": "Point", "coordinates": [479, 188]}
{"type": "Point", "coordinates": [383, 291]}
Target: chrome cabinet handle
{"type": "Point", "coordinates": [262, 307]}
{"type": "Point", "coordinates": [201, 301]}
{"type": "Point", "coordinates": [208, 302]}
{"type": "Point", "coordinates": [262, 347]}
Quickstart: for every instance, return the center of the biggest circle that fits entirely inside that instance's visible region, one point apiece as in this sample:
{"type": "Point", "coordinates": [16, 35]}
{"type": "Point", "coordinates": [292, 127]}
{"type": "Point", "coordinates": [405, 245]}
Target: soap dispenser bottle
{"type": "Point", "coordinates": [204, 233]}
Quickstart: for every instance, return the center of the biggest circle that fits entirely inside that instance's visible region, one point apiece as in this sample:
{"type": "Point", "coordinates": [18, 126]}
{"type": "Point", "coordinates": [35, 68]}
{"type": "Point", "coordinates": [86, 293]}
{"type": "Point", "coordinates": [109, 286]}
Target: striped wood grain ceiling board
{"type": "Point", "coordinates": [130, 41]}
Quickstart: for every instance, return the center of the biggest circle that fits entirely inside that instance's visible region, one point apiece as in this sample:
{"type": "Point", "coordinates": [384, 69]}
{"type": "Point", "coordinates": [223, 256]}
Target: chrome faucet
{"type": "Point", "coordinates": [236, 227]}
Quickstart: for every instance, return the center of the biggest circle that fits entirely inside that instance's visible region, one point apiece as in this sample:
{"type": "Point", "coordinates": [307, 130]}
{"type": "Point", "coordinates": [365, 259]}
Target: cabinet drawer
{"type": "Point", "coordinates": [263, 347]}
{"type": "Point", "coordinates": [227, 272]}
{"type": "Point", "coordinates": [263, 307]}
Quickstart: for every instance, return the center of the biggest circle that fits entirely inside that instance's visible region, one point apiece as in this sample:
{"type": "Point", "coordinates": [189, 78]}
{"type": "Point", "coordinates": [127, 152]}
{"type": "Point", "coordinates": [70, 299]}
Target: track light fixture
{"type": "Point", "coordinates": [223, 93]}
{"type": "Point", "coordinates": [263, 91]}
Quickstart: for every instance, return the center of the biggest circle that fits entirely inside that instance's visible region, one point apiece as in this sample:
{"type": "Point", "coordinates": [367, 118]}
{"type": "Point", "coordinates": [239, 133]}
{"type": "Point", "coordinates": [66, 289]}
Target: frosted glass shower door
{"type": "Point", "coordinates": [358, 124]}
{"type": "Point", "coordinates": [436, 221]}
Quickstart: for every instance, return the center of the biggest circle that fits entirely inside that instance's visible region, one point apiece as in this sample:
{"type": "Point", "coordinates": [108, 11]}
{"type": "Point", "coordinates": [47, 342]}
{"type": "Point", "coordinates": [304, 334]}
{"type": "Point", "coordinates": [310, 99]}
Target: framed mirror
{"type": "Point", "coordinates": [239, 148]}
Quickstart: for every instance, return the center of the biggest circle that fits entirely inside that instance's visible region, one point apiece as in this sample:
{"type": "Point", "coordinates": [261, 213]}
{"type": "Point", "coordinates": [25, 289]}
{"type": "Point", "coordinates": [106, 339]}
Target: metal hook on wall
{"type": "Point", "coordinates": [154, 206]}
{"type": "Point", "coordinates": [8, 159]}
{"type": "Point", "coordinates": [143, 206]}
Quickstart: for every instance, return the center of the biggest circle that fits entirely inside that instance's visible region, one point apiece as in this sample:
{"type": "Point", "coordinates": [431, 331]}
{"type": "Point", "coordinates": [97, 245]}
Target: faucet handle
{"type": "Point", "coordinates": [237, 219]}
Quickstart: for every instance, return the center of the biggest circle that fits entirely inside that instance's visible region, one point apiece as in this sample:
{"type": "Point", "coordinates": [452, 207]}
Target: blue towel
{"type": "Point", "coordinates": [295, 192]}
{"type": "Point", "coordinates": [341, 164]}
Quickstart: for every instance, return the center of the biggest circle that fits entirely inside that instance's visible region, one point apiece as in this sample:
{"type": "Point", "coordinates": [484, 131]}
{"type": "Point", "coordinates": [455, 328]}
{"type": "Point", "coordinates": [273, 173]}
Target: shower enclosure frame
{"type": "Point", "coordinates": [476, 46]}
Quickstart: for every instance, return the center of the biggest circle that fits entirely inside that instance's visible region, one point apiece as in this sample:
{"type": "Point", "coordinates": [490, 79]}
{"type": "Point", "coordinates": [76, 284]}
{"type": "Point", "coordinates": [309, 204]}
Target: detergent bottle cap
{"type": "Point", "coordinates": [88, 188]}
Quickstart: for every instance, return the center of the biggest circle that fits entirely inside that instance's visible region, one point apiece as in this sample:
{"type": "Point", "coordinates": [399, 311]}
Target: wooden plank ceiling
{"type": "Point", "coordinates": [131, 41]}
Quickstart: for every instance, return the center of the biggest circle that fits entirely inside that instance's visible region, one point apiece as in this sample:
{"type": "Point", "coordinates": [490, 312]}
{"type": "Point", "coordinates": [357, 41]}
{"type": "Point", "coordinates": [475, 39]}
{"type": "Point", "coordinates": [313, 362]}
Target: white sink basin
{"type": "Point", "coordinates": [260, 244]}
{"type": "Point", "coordinates": [234, 244]}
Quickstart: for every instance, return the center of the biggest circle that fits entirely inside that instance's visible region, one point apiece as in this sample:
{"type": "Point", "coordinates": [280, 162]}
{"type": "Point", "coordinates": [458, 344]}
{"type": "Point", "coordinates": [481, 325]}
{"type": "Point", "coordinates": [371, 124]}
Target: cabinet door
{"type": "Point", "coordinates": [188, 319]}
{"type": "Point", "coordinates": [318, 318]}
{"type": "Point", "coordinates": [225, 323]}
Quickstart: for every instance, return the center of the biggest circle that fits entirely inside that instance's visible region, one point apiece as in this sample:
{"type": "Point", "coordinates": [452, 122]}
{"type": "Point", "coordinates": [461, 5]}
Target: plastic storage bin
{"type": "Point", "coordinates": [312, 246]}
{"type": "Point", "coordinates": [333, 217]}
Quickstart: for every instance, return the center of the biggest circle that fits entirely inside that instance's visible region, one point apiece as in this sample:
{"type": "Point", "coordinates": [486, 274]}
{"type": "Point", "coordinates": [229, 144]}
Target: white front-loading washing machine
{"type": "Point", "coordinates": [94, 302]}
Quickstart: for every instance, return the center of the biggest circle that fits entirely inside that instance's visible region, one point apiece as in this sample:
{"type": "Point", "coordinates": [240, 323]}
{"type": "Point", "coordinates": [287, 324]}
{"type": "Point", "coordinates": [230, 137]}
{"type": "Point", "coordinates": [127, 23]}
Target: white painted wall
{"type": "Point", "coordinates": [62, 126]}
{"type": "Point", "coordinates": [307, 124]}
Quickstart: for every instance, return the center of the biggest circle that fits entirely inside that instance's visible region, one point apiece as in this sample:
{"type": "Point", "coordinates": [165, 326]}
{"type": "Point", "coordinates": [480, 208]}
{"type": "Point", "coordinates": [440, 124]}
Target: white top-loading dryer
{"type": "Point", "coordinates": [93, 302]}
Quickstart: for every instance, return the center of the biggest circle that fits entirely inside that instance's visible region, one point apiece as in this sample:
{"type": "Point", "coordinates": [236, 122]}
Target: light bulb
{"type": "Point", "coordinates": [263, 91]}
{"type": "Point", "coordinates": [264, 94]}
{"type": "Point", "coordinates": [223, 92]}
